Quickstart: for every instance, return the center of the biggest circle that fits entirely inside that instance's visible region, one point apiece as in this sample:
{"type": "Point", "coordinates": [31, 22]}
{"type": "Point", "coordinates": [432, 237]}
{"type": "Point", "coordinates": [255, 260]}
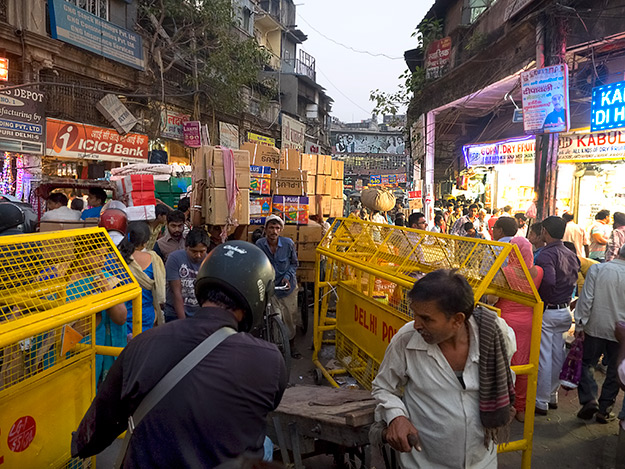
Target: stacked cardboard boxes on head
{"type": "Point", "coordinates": [264, 160]}
{"type": "Point", "coordinates": [213, 170]}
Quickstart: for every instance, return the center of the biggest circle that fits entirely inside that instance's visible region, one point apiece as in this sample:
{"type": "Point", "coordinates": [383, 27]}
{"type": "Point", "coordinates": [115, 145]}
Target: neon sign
{"type": "Point", "coordinates": [608, 107]}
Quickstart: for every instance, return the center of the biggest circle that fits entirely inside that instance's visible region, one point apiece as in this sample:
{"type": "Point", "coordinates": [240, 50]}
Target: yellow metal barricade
{"type": "Point", "coordinates": [53, 288]}
{"type": "Point", "coordinates": [360, 296]}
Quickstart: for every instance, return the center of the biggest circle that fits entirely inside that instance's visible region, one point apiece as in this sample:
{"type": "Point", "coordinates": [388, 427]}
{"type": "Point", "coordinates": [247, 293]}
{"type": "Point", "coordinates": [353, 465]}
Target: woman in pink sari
{"type": "Point", "coordinates": [518, 316]}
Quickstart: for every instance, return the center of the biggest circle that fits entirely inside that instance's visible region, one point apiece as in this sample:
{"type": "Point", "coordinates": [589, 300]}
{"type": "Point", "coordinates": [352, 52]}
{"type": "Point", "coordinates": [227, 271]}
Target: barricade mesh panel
{"type": "Point", "coordinates": [360, 365]}
{"type": "Point", "coordinates": [39, 275]}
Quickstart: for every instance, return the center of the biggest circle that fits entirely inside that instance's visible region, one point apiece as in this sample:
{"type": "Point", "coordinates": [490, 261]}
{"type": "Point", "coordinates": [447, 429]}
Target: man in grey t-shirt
{"type": "Point", "coordinates": [182, 267]}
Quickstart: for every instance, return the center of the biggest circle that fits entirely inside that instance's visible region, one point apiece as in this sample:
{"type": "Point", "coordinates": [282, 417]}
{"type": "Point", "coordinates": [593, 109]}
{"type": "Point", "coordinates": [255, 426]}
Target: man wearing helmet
{"type": "Point", "coordinates": [219, 412]}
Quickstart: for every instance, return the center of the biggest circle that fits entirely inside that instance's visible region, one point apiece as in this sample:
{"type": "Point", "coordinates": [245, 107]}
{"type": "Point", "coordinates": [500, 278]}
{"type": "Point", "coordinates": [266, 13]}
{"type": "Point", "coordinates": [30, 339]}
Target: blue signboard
{"type": "Point", "coordinates": [82, 29]}
{"type": "Point", "coordinates": [608, 107]}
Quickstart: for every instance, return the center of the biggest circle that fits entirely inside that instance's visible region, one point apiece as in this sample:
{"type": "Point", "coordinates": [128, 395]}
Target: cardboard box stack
{"type": "Point", "coordinates": [138, 190]}
{"type": "Point", "coordinates": [215, 199]}
{"type": "Point", "coordinates": [336, 189]}
{"type": "Point", "coordinates": [308, 237]}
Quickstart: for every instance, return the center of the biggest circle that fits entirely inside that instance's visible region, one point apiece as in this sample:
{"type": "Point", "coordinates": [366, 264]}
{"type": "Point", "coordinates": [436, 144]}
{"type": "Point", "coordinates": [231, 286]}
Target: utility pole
{"type": "Point", "coordinates": [550, 50]}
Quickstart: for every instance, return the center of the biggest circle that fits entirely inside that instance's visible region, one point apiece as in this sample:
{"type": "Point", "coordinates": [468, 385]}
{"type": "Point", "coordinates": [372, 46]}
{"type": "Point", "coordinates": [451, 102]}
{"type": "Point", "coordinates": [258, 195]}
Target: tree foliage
{"type": "Point", "coordinates": [411, 83]}
{"type": "Point", "coordinates": [199, 38]}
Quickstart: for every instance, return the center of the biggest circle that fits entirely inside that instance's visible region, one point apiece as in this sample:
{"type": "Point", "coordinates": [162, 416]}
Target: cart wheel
{"type": "Point", "coordinates": [278, 334]}
{"type": "Point", "coordinates": [318, 376]}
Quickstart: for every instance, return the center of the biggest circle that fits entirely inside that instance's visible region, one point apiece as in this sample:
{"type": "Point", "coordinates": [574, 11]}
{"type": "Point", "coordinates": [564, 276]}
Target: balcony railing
{"type": "Point", "coordinates": [304, 69]}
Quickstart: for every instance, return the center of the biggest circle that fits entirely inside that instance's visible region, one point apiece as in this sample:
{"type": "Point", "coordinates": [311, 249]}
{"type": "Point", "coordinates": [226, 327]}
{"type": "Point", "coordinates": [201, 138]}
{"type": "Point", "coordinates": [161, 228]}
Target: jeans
{"type": "Point", "coordinates": [552, 355]}
{"type": "Point", "coordinates": [588, 389]}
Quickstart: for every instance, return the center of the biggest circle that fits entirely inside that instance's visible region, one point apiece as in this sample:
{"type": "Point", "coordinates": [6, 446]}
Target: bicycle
{"type": "Point", "coordinates": [274, 331]}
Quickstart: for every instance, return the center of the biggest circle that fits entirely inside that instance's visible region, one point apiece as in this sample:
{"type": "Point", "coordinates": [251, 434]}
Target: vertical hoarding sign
{"type": "Point", "coordinates": [546, 100]}
{"type": "Point", "coordinates": [607, 110]}
{"type": "Point", "coordinates": [22, 121]}
{"type": "Point", "coordinates": [293, 132]}
{"type": "Point", "coordinates": [229, 135]}
{"type": "Point", "coordinates": [437, 58]}
{"type": "Point", "coordinates": [191, 130]}
{"type": "Point", "coordinates": [76, 26]}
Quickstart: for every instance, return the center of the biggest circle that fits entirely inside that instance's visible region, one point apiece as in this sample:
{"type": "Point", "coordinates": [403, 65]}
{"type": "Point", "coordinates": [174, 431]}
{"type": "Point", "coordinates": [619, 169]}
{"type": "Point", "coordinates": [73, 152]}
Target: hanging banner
{"type": "Point", "coordinates": [66, 139]}
{"type": "Point", "coordinates": [256, 138]}
{"type": "Point", "coordinates": [22, 122]}
{"type": "Point", "coordinates": [229, 135]}
{"type": "Point", "coordinates": [292, 133]}
{"type": "Point", "coordinates": [172, 124]}
{"type": "Point", "coordinates": [546, 100]}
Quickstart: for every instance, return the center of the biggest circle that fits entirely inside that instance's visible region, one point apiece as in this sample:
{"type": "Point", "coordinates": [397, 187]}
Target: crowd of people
{"type": "Point", "coordinates": [445, 376]}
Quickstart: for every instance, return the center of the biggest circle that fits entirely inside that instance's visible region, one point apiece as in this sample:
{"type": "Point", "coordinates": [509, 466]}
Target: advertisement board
{"type": "Point", "coordinates": [546, 100]}
{"type": "Point", "coordinates": [172, 124]}
{"type": "Point", "coordinates": [256, 138]}
{"type": "Point", "coordinates": [312, 148]}
{"type": "Point", "coordinates": [437, 57]}
{"type": "Point", "coordinates": [595, 146]}
{"type": "Point", "coordinates": [22, 121]}
{"type": "Point", "coordinates": [293, 132]}
{"type": "Point", "coordinates": [78, 27]}
{"type": "Point", "coordinates": [607, 110]}
{"type": "Point", "coordinates": [514, 150]}
{"type": "Point", "coordinates": [387, 179]}
{"type": "Point", "coordinates": [67, 139]}
{"type": "Point", "coordinates": [229, 135]}
{"type": "Point", "coordinates": [368, 143]}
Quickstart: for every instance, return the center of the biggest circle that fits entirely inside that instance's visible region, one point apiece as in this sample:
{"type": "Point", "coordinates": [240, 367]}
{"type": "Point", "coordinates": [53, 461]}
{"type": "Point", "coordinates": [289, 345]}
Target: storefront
{"type": "Point", "coordinates": [591, 171]}
{"type": "Point", "coordinates": [22, 131]}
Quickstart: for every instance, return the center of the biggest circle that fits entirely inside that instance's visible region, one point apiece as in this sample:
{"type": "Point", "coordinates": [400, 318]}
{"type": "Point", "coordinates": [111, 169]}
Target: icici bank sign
{"type": "Point", "coordinates": [67, 139]}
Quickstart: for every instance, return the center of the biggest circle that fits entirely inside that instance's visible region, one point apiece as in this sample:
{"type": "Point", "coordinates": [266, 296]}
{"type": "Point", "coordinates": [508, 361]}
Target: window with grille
{"type": "Point", "coordinates": [474, 8]}
{"type": "Point", "coordinates": [97, 7]}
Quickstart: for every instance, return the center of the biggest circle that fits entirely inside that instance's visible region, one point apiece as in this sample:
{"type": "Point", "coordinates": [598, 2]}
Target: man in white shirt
{"type": "Point", "coordinates": [576, 235]}
{"type": "Point", "coordinates": [58, 209]}
{"type": "Point", "coordinates": [428, 385]}
{"type": "Point", "coordinates": [600, 306]}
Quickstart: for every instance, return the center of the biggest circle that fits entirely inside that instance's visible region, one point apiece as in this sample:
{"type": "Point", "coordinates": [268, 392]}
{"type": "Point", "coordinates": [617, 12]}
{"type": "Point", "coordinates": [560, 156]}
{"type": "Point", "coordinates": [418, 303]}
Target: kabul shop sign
{"type": "Point", "coordinates": [608, 107]}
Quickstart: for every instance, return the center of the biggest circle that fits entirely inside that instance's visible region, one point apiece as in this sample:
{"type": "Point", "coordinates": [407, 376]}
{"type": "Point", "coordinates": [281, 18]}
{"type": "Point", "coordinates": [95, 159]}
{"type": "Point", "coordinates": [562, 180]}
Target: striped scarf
{"type": "Point", "coordinates": [496, 384]}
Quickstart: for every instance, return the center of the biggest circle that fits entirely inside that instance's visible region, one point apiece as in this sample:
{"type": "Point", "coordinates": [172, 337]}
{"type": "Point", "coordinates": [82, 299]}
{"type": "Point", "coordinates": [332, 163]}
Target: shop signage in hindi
{"type": "Point", "coordinates": [292, 133]}
{"type": "Point", "coordinates": [22, 121]}
{"type": "Point", "coordinates": [387, 179]}
{"type": "Point", "coordinates": [256, 138]}
{"type": "Point", "coordinates": [375, 180]}
{"type": "Point", "coordinates": [415, 194]}
{"type": "Point", "coordinates": [78, 27]}
{"type": "Point", "coordinates": [520, 150]}
{"type": "Point", "coordinates": [545, 94]}
{"type": "Point", "coordinates": [229, 135]}
{"type": "Point", "coordinates": [191, 130]}
{"type": "Point", "coordinates": [437, 57]}
{"type": "Point", "coordinates": [172, 124]}
{"type": "Point", "coordinates": [608, 107]}
{"type": "Point", "coordinates": [67, 139]}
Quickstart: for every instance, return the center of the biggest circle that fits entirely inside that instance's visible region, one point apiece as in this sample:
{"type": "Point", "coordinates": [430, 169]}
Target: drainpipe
{"type": "Point", "coordinates": [428, 190]}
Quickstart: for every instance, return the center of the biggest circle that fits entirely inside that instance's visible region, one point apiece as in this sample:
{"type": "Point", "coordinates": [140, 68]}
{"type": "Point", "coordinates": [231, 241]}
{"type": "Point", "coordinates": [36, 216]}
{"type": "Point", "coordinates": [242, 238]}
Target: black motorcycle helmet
{"type": "Point", "coordinates": [11, 216]}
{"type": "Point", "coordinates": [244, 272]}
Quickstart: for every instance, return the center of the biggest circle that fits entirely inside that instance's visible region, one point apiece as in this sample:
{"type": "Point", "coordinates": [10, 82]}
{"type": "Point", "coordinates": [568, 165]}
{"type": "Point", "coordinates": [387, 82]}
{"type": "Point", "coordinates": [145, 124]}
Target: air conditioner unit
{"type": "Point", "coordinates": [312, 111]}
